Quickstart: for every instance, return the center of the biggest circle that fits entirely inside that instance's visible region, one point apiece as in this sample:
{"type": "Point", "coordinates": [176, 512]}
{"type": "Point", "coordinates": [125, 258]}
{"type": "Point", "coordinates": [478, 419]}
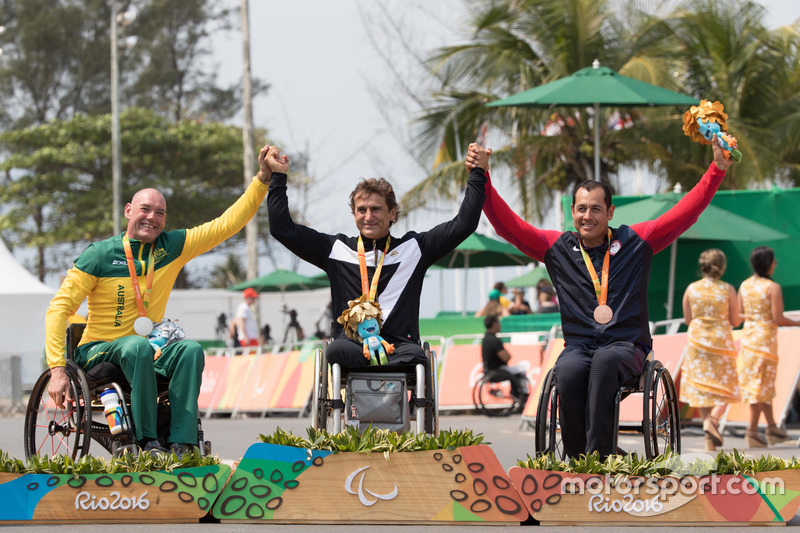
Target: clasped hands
{"type": "Point", "coordinates": [477, 156]}
{"type": "Point", "coordinates": [270, 160]}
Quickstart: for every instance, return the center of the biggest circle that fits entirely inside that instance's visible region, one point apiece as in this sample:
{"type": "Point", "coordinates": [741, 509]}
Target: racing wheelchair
{"type": "Point", "coordinates": [660, 413]}
{"type": "Point", "coordinates": [492, 396]}
{"type": "Point", "coordinates": [69, 430]}
{"type": "Point", "coordinates": [331, 380]}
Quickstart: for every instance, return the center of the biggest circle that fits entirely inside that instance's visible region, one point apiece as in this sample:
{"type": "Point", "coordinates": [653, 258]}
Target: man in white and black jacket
{"type": "Point", "coordinates": [401, 262]}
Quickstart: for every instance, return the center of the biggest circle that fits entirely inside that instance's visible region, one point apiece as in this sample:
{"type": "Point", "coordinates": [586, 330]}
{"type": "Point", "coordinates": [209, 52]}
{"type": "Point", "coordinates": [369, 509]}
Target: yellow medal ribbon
{"type": "Point", "coordinates": [366, 288]}
{"type": "Point", "coordinates": [142, 303]}
{"type": "Point", "coordinates": [600, 286]}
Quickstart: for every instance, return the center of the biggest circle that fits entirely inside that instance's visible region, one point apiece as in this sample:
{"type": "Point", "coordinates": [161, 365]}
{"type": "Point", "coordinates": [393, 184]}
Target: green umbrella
{"type": "Point", "coordinates": [529, 279]}
{"type": "Point", "coordinates": [713, 224]}
{"type": "Point", "coordinates": [597, 87]}
{"type": "Point", "coordinates": [281, 281]}
{"type": "Point", "coordinates": [481, 251]}
{"type": "Point", "coordinates": [322, 278]}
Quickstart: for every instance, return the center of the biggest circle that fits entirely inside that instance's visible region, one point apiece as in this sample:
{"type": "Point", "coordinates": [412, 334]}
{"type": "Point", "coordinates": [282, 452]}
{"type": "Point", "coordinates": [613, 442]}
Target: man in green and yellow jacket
{"type": "Point", "coordinates": [127, 280]}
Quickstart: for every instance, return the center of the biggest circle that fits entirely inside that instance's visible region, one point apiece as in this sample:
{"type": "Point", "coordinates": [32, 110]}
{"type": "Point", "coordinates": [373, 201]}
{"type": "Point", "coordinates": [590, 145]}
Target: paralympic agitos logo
{"type": "Point", "coordinates": [362, 491]}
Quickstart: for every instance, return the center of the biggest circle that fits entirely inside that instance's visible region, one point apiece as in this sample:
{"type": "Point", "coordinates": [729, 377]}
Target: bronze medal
{"type": "Point", "coordinates": [603, 314]}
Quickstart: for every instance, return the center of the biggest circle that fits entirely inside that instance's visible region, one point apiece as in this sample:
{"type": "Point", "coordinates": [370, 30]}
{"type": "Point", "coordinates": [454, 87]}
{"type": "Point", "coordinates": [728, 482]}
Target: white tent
{"type": "Point", "coordinates": [23, 304]}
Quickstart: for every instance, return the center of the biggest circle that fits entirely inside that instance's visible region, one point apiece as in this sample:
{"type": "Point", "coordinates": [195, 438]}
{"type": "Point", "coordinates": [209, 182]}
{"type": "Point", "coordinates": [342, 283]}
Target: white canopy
{"type": "Point", "coordinates": [23, 303]}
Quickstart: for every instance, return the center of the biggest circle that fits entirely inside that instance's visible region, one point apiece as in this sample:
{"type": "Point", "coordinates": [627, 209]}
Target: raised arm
{"type": "Point", "coordinates": [443, 238]}
{"type": "Point", "coordinates": [202, 238]}
{"type": "Point", "coordinates": [307, 243]}
{"type": "Point", "coordinates": [662, 231]}
{"type": "Point", "coordinates": [528, 239]}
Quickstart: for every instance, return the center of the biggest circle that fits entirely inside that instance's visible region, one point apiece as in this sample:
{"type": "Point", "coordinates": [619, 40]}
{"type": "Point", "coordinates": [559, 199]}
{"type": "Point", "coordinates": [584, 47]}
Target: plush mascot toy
{"type": "Point", "coordinates": [701, 122]}
{"type": "Point", "coordinates": [362, 322]}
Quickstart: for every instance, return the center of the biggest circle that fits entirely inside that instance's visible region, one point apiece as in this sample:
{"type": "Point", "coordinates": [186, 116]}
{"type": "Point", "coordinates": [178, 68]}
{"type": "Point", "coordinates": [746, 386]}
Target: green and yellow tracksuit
{"type": "Point", "coordinates": [101, 274]}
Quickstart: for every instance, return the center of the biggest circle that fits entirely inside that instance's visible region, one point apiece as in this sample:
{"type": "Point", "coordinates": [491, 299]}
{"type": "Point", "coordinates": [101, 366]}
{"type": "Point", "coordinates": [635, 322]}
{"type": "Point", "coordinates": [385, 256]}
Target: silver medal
{"type": "Point", "coordinates": [143, 326]}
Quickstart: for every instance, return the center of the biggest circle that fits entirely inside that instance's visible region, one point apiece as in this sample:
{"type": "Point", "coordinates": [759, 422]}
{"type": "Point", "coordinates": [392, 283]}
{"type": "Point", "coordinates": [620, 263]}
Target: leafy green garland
{"type": "Point", "coordinates": [87, 464]}
{"type": "Point", "coordinates": [374, 440]}
{"type": "Point", "coordinates": [668, 464]}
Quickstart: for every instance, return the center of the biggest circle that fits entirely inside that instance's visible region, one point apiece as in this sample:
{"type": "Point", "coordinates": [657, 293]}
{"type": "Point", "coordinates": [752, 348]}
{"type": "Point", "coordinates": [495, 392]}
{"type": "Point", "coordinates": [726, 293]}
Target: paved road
{"type": "Point", "coordinates": [510, 438]}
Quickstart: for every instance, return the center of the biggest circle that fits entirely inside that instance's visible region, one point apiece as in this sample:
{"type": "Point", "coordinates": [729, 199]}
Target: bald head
{"type": "Point", "coordinates": [146, 214]}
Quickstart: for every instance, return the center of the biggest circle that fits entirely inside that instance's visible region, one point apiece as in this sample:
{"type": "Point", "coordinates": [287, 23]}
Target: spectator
{"type": "Point", "coordinates": [493, 306]}
{"type": "Point", "coordinates": [496, 357]}
{"type": "Point", "coordinates": [519, 305]}
{"type": "Point", "coordinates": [222, 326]}
{"type": "Point", "coordinates": [245, 320]}
{"type": "Point", "coordinates": [266, 334]}
{"type": "Point", "coordinates": [710, 380]}
{"type": "Point", "coordinates": [547, 300]}
{"type": "Point", "coordinates": [501, 287]}
{"type": "Point", "coordinates": [761, 305]}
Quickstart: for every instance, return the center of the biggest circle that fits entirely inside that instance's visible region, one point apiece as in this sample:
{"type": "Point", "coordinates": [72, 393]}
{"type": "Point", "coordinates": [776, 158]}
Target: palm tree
{"type": "Point", "coordinates": [728, 55]}
{"type": "Point", "coordinates": [519, 44]}
{"type": "Point", "coordinates": [787, 128]}
{"type": "Point", "coordinates": [228, 273]}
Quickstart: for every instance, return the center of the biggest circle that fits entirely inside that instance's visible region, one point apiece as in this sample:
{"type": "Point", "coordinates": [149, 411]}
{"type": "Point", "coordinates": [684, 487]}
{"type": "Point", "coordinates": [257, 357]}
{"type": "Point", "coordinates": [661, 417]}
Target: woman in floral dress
{"type": "Point", "coordinates": [761, 305]}
{"type": "Point", "coordinates": [709, 380]}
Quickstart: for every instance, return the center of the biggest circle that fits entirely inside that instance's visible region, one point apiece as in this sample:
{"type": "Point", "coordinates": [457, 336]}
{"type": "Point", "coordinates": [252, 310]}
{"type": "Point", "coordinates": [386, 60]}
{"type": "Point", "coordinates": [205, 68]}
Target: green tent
{"type": "Point", "coordinates": [481, 251]}
{"type": "Point", "coordinates": [529, 279]}
{"type": "Point", "coordinates": [714, 224]}
{"type": "Point", "coordinates": [282, 281]}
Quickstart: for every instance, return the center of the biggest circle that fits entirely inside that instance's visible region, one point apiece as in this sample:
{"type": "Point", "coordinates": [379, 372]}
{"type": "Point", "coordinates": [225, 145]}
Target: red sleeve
{"type": "Point", "coordinates": [528, 239]}
{"type": "Point", "coordinates": [660, 233]}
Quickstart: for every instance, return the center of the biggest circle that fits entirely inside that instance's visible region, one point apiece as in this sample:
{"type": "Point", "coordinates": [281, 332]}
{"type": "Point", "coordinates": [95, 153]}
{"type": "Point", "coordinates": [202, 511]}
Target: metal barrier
{"type": "Point", "coordinates": [11, 384]}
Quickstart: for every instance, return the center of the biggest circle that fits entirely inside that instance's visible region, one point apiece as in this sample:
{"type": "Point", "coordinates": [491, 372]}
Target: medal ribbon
{"type": "Point", "coordinates": [366, 288]}
{"type": "Point", "coordinates": [141, 303]}
{"type": "Point", "coordinates": [600, 287]}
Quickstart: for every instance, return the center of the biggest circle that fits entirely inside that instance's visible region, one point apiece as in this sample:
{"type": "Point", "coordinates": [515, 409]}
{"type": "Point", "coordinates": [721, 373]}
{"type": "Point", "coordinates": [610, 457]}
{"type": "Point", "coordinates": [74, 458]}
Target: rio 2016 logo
{"type": "Point", "coordinates": [115, 502]}
{"type": "Point", "coordinates": [692, 475]}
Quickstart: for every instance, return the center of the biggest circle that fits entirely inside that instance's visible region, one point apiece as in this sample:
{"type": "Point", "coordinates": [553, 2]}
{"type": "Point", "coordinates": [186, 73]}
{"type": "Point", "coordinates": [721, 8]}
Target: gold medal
{"type": "Point", "coordinates": [603, 314]}
{"type": "Point", "coordinates": [143, 326]}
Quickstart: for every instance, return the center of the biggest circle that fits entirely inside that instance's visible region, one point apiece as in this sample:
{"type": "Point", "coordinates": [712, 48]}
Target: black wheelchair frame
{"type": "Point", "coordinates": [660, 413]}
{"type": "Point", "coordinates": [491, 398]}
{"type": "Point", "coordinates": [54, 430]}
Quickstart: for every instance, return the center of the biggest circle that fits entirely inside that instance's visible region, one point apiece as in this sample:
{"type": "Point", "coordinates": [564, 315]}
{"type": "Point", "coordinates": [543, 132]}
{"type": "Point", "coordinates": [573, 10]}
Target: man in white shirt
{"type": "Point", "coordinates": [245, 321]}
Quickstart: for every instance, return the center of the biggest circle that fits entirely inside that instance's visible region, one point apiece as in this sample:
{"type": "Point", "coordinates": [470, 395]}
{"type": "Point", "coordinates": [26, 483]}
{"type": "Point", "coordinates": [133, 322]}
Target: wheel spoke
{"type": "Point", "coordinates": [663, 421]}
{"type": "Point", "coordinates": [54, 430]}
